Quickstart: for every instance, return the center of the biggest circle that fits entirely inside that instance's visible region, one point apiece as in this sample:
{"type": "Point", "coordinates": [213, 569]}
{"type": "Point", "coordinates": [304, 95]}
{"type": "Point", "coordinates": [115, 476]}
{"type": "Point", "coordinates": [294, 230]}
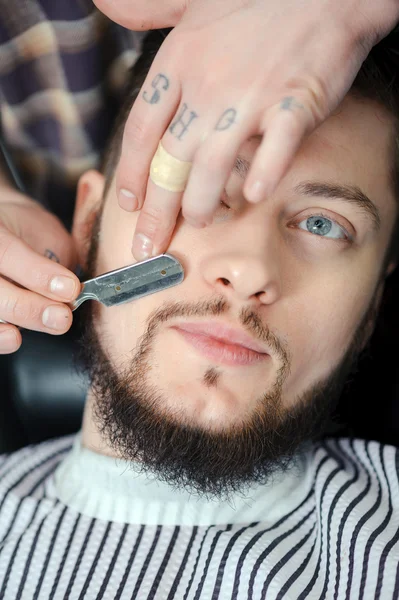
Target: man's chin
{"type": "Point", "coordinates": [196, 403]}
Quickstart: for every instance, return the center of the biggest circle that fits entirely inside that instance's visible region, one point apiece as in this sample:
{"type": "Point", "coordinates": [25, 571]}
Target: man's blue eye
{"type": "Point", "coordinates": [324, 227]}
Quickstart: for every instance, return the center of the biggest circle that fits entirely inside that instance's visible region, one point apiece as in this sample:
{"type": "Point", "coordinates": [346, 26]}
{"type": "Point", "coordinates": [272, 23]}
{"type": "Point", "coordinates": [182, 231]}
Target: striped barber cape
{"type": "Point", "coordinates": [76, 524]}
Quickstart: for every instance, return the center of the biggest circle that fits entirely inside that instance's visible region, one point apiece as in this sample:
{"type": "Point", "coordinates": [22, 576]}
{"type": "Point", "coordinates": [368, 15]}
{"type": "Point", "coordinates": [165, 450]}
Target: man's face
{"type": "Point", "coordinates": [275, 299]}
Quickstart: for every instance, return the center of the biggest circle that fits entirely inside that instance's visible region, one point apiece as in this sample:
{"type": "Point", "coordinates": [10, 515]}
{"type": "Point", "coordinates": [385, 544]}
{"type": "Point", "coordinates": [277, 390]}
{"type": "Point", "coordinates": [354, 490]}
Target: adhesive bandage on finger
{"type": "Point", "coordinates": [169, 172]}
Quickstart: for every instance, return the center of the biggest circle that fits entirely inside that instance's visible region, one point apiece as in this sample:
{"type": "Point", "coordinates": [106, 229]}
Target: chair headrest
{"type": "Point", "coordinates": [44, 387]}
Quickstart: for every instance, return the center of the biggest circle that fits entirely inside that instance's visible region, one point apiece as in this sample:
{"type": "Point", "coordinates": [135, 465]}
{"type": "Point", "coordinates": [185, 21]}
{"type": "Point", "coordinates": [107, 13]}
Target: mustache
{"type": "Point", "coordinates": [215, 307]}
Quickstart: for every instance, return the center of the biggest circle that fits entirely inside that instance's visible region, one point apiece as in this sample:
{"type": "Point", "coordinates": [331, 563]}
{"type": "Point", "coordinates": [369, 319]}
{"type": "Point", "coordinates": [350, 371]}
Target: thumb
{"type": "Point", "coordinates": [143, 15]}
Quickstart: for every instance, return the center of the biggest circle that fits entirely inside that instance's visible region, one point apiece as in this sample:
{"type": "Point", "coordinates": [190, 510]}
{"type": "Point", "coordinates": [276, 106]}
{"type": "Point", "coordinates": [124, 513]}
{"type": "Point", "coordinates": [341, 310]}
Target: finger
{"type": "Point", "coordinates": [212, 167]}
{"type": "Point", "coordinates": [284, 133]}
{"type": "Point", "coordinates": [150, 115]}
{"type": "Point", "coordinates": [37, 273]}
{"type": "Point", "coordinates": [10, 339]}
{"type": "Point", "coordinates": [31, 311]}
{"type": "Point", "coordinates": [143, 16]}
{"type": "Point", "coordinates": [156, 223]}
{"type": "Point", "coordinates": [160, 209]}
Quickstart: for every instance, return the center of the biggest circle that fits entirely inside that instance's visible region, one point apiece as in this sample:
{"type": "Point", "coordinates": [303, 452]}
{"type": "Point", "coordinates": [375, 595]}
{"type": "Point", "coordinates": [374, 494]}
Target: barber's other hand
{"type": "Point", "coordinates": [31, 292]}
{"type": "Point", "coordinates": [229, 70]}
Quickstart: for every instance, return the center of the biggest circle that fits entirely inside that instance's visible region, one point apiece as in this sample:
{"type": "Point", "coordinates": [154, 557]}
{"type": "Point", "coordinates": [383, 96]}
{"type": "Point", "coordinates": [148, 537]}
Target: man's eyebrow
{"type": "Point", "coordinates": [350, 193]}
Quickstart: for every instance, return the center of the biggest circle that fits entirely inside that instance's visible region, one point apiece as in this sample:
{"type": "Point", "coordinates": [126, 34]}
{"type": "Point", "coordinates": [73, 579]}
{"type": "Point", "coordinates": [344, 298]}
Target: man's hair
{"type": "Point", "coordinates": [377, 80]}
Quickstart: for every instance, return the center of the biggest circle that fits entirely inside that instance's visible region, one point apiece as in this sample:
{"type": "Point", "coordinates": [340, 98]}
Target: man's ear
{"type": "Point", "coordinates": [390, 268]}
{"type": "Point", "coordinates": [89, 196]}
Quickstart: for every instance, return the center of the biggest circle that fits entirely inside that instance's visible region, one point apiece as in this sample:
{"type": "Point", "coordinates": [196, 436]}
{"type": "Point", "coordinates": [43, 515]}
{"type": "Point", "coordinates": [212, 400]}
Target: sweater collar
{"type": "Point", "coordinates": [113, 489]}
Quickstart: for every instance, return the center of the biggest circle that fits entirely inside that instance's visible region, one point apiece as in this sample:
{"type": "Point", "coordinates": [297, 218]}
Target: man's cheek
{"type": "Point", "coordinates": [317, 346]}
{"type": "Point", "coordinates": [121, 328]}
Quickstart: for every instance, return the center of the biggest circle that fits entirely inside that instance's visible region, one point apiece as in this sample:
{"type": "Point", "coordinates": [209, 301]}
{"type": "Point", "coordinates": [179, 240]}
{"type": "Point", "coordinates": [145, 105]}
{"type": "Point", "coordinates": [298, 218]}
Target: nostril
{"type": "Point", "coordinates": [225, 281]}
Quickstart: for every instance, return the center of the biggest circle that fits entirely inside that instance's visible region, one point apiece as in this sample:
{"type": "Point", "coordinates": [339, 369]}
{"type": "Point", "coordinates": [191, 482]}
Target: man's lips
{"type": "Point", "coordinates": [222, 343]}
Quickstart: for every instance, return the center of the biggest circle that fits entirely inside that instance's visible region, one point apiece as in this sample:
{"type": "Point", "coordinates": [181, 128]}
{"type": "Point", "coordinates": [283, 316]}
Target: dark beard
{"type": "Point", "coordinates": [130, 413]}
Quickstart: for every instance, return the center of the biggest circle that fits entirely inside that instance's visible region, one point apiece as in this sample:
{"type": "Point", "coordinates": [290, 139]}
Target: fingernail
{"type": "Point", "coordinates": [142, 246]}
{"type": "Point", "coordinates": [55, 317]}
{"type": "Point", "coordinates": [256, 192]}
{"type": "Point", "coordinates": [196, 224]}
{"type": "Point", "coordinates": [127, 200]}
{"type": "Point", "coordinates": [8, 340]}
{"type": "Point", "coordinates": [62, 286]}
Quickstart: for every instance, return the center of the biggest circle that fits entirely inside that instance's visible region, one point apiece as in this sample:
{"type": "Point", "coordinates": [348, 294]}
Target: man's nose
{"type": "Point", "coordinates": [243, 277]}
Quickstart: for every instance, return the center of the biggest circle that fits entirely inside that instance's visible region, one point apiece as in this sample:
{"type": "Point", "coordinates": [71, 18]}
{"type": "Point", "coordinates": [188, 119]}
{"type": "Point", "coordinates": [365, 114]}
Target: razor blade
{"type": "Point", "coordinates": [132, 282]}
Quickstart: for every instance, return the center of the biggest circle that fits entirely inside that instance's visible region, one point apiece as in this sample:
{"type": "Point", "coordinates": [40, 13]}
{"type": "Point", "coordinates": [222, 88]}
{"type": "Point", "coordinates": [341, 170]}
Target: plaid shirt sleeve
{"type": "Point", "coordinates": [63, 66]}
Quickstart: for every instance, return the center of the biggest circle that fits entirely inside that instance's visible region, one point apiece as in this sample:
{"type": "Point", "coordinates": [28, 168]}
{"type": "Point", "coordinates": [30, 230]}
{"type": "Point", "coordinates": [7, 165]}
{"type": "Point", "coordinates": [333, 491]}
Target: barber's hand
{"type": "Point", "coordinates": [229, 70]}
{"type": "Point", "coordinates": [33, 286]}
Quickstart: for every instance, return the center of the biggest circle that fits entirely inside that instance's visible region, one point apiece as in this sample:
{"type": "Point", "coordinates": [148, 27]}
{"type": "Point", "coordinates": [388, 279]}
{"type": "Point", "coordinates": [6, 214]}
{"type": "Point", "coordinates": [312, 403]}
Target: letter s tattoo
{"type": "Point", "coordinates": [160, 82]}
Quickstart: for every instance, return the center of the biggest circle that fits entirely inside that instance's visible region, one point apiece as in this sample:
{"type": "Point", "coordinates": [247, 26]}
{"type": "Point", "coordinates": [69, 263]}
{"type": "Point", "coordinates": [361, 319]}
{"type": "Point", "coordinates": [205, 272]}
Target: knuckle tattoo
{"type": "Point", "coordinates": [226, 120]}
{"type": "Point", "coordinates": [160, 84]}
{"type": "Point", "coordinates": [300, 117]}
{"type": "Point", "coordinates": [290, 103]}
{"type": "Point", "coordinates": [51, 255]}
{"type": "Point", "coordinates": [182, 121]}
{"type": "Point", "coordinates": [310, 94]}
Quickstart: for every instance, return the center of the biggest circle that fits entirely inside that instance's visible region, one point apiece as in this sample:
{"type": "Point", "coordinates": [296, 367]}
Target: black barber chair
{"type": "Point", "coordinates": [42, 393]}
